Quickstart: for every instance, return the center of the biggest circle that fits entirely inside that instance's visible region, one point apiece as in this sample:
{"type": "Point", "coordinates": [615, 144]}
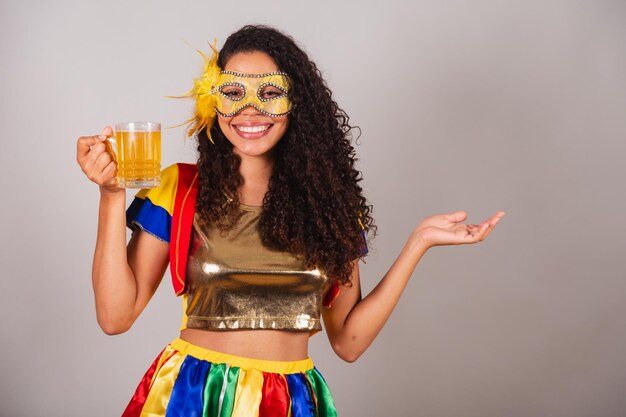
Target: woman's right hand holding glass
{"type": "Point", "coordinates": [97, 161]}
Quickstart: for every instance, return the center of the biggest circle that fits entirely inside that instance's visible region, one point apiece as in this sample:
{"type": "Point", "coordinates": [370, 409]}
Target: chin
{"type": "Point", "coordinates": [252, 151]}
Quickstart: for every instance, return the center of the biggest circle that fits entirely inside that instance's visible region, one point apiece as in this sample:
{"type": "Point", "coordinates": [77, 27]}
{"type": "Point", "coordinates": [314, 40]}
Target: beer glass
{"type": "Point", "coordinates": [138, 154]}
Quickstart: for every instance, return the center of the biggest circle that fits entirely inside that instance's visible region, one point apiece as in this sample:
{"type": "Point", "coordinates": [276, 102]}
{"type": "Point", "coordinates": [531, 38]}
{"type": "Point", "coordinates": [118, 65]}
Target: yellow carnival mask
{"type": "Point", "coordinates": [265, 92]}
{"type": "Point", "coordinates": [229, 92]}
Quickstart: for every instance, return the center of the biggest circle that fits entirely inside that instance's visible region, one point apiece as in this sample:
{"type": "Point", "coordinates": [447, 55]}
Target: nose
{"type": "Point", "coordinates": [249, 110]}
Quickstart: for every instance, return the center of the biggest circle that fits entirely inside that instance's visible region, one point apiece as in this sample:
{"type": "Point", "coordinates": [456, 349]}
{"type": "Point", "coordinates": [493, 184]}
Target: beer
{"type": "Point", "coordinates": [138, 153]}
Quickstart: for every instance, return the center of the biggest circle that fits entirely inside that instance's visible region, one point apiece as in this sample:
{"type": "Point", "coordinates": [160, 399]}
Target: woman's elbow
{"type": "Point", "coordinates": [113, 327]}
{"type": "Point", "coordinates": [351, 357]}
{"type": "Point", "coordinates": [348, 353]}
{"type": "Point", "coordinates": [112, 331]}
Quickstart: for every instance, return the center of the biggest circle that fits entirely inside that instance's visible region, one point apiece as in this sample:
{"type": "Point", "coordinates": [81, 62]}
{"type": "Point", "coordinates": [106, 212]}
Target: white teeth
{"type": "Point", "coordinates": [252, 129]}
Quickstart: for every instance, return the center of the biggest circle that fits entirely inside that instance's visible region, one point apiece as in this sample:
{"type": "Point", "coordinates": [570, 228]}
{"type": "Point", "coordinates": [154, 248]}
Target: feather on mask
{"type": "Point", "coordinates": [203, 93]}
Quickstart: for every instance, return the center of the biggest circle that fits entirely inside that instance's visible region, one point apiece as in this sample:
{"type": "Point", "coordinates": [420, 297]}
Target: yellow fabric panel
{"type": "Point", "coordinates": [167, 352]}
{"type": "Point", "coordinates": [248, 393]}
{"type": "Point", "coordinates": [165, 194]}
{"type": "Point", "coordinates": [159, 396]}
{"type": "Point", "coordinates": [184, 323]}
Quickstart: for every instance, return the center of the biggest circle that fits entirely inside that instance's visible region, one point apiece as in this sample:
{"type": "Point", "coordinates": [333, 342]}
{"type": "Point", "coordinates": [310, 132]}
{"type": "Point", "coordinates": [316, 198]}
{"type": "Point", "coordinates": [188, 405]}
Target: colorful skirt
{"type": "Point", "coordinates": [188, 380]}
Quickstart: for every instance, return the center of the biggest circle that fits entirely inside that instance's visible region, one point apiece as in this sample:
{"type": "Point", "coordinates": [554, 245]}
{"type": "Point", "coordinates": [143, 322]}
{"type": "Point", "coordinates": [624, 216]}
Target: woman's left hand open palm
{"type": "Point", "coordinates": [447, 229]}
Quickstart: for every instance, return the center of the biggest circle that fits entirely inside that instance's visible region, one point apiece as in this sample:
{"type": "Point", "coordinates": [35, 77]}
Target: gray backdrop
{"type": "Point", "coordinates": [472, 105]}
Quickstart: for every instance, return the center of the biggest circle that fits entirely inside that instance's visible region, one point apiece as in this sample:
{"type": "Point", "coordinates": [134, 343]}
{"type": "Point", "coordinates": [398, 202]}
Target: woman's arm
{"type": "Point", "coordinates": [124, 279]}
{"type": "Point", "coordinates": [353, 323]}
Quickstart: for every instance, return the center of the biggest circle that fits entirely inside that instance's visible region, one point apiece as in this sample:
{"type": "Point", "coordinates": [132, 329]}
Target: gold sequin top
{"type": "Point", "coordinates": [234, 282]}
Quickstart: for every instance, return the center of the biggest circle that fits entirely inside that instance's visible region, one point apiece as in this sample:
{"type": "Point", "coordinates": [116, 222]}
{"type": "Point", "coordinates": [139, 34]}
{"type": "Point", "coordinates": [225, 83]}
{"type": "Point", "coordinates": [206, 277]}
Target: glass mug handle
{"type": "Point", "coordinates": [111, 146]}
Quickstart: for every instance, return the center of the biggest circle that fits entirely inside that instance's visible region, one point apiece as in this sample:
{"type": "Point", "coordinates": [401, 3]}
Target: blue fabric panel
{"type": "Point", "coordinates": [186, 398]}
{"type": "Point", "coordinates": [302, 404]}
{"type": "Point", "coordinates": [149, 217]}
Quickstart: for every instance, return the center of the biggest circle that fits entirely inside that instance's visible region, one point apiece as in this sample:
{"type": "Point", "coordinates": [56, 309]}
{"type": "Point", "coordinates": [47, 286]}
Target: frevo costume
{"type": "Point", "coordinates": [229, 281]}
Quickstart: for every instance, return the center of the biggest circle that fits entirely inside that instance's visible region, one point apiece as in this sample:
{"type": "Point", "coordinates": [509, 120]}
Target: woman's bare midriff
{"type": "Point", "coordinates": [274, 345]}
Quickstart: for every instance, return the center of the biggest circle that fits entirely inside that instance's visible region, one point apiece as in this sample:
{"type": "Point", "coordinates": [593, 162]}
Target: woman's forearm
{"type": "Point", "coordinates": [114, 285]}
{"type": "Point", "coordinates": [368, 317]}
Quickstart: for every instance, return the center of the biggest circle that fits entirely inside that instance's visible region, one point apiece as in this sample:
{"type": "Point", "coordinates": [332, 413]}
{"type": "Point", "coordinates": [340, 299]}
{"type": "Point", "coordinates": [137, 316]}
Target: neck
{"type": "Point", "coordinates": [256, 172]}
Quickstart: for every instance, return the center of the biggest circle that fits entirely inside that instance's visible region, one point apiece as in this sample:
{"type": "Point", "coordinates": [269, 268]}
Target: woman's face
{"type": "Point", "coordinates": [251, 132]}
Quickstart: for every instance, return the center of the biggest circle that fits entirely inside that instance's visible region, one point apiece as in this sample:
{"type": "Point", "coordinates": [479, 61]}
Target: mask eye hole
{"type": "Point", "coordinates": [233, 91]}
{"type": "Point", "coordinates": [269, 91]}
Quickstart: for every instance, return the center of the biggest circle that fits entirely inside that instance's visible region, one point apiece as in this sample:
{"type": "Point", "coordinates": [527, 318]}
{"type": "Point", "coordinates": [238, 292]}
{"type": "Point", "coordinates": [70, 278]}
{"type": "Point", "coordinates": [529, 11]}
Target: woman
{"type": "Point", "coordinates": [276, 234]}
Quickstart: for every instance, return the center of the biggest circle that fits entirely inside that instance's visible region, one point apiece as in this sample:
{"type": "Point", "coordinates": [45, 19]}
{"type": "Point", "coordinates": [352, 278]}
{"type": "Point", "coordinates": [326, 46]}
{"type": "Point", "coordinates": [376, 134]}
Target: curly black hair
{"type": "Point", "coordinates": [314, 206]}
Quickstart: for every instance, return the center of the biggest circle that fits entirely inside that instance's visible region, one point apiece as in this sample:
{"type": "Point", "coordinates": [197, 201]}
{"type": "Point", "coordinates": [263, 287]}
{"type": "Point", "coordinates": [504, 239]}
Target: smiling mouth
{"type": "Point", "coordinates": [253, 129]}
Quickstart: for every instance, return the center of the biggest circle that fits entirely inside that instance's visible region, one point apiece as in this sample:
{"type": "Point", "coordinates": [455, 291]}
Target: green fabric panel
{"type": "Point", "coordinates": [228, 401]}
{"type": "Point", "coordinates": [213, 389]}
{"type": "Point", "coordinates": [325, 402]}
